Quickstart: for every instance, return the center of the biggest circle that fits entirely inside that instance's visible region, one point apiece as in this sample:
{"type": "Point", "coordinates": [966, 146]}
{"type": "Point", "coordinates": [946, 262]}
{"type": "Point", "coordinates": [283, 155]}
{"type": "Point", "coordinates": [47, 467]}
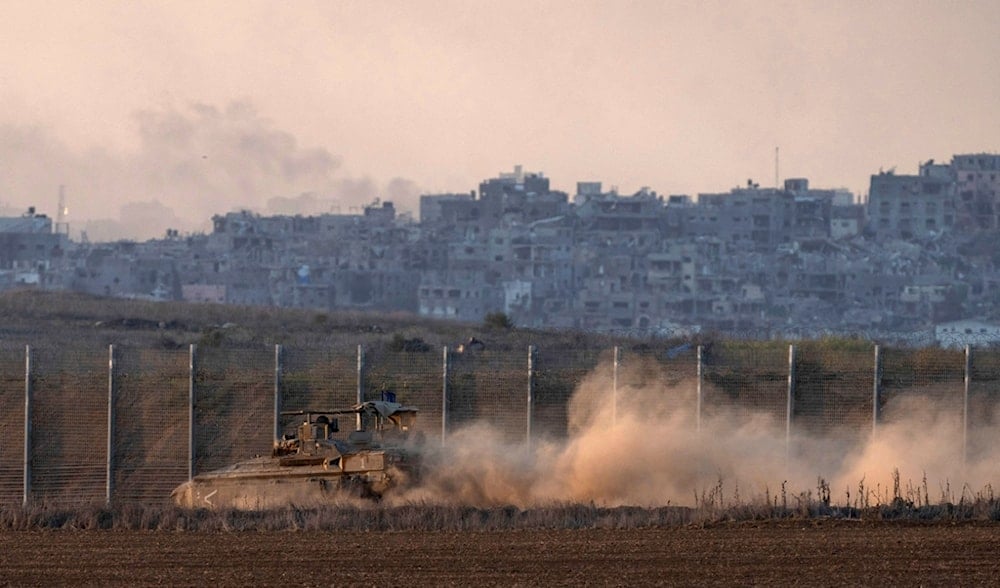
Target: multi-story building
{"type": "Point", "coordinates": [462, 295]}
{"type": "Point", "coordinates": [977, 189]}
{"type": "Point", "coordinates": [605, 218]}
{"type": "Point", "coordinates": [911, 207]}
{"type": "Point", "coordinates": [761, 219]}
{"type": "Point", "coordinates": [30, 252]}
{"type": "Point", "coordinates": [520, 193]}
{"type": "Point", "coordinates": [444, 210]}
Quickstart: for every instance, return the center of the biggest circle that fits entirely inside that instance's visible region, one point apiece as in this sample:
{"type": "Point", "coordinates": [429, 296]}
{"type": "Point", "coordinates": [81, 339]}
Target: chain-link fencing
{"type": "Point", "coordinates": [12, 426]}
{"type": "Point", "coordinates": [492, 386]}
{"type": "Point", "coordinates": [68, 431]}
{"type": "Point", "coordinates": [745, 379]}
{"type": "Point", "coordinates": [126, 424]}
{"type": "Point", "coordinates": [833, 391]}
{"type": "Point", "coordinates": [149, 452]}
{"type": "Point", "coordinates": [983, 405]}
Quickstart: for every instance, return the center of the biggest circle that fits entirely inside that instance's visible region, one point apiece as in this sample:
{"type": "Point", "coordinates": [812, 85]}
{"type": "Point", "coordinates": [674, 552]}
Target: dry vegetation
{"type": "Point", "coordinates": [39, 318]}
{"type": "Point", "coordinates": [712, 509]}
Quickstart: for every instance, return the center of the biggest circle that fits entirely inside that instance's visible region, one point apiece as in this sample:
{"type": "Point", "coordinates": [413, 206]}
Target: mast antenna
{"type": "Point", "coordinates": [776, 176]}
{"type": "Point", "coordinates": [62, 212]}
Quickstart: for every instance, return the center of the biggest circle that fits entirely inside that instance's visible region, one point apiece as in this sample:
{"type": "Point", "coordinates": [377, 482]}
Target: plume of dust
{"type": "Point", "coordinates": [922, 443]}
{"type": "Point", "coordinates": [641, 446]}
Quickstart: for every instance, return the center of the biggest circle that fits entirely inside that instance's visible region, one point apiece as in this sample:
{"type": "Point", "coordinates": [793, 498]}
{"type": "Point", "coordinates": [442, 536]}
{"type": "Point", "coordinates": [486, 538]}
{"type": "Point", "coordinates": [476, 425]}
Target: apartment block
{"type": "Point", "coordinates": [911, 206]}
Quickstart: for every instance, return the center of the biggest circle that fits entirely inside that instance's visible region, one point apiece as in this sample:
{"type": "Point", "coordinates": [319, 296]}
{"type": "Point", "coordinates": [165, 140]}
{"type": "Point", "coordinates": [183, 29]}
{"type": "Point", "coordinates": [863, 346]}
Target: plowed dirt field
{"type": "Point", "coordinates": [809, 553]}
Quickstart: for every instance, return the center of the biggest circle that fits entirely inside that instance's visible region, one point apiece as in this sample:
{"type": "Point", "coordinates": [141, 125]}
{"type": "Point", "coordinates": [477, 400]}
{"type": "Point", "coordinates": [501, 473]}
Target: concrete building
{"type": "Point", "coordinates": [215, 293]}
{"type": "Point", "coordinates": [518, 193]}
{"type": "Point", "coordinates": [750, 218]}
{"type": "Point", "coordinates": [607, 218]}
{"type": "Point", "coordinates": [31, 254]}
{"type": "Point", "coordinates": [461, 295]}
{"type": "Point", "coordinates": [958, 334]}
{"type": "Point", "coordinates": [441, 210]}
{"type": "Point", "coordinates": [846, 221]}
{"type": "Point", "coordinates": [911, 207]}
{"type": "Point", "coordinates": [764, 218]}
{"type": "Point", "coordinates": [977, 188]}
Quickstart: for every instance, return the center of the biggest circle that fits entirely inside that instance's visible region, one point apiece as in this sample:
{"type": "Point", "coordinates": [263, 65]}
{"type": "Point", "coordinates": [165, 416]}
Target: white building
{"type": "Point", "coordinates": [958, 334]}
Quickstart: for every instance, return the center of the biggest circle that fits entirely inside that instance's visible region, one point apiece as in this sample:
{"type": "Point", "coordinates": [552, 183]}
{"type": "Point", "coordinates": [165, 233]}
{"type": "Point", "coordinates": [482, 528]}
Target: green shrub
{"type": "Point", "coordinates": [497, 321]}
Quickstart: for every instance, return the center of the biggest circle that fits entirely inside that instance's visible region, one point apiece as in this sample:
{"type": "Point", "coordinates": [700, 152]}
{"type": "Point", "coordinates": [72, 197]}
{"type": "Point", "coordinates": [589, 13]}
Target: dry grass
{"type": "Point", "coordinates": [712, 508]}
{"type": "Point", "coordinates": [340, 518]}
{"type": "Point", "coordinates": [42, 318]}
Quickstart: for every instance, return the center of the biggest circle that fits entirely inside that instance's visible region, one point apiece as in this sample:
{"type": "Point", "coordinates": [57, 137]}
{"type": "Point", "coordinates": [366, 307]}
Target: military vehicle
{"type": "Point", "coordinates": [313, 467]}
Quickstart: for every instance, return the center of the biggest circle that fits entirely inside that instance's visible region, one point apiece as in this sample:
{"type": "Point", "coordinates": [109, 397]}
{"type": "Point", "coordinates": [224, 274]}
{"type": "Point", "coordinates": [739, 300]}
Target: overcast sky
{"type": "Point", "coordinates": [160, 114]}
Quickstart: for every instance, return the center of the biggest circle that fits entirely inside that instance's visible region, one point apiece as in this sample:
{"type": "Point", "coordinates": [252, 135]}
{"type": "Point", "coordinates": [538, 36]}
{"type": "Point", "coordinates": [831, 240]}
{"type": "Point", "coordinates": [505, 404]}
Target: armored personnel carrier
{"type": "Point", "coordinates": [314, 466]}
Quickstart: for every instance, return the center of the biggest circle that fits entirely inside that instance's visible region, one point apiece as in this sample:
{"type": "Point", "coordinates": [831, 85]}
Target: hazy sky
{"type": "Point", "coordinates": [185, 109]}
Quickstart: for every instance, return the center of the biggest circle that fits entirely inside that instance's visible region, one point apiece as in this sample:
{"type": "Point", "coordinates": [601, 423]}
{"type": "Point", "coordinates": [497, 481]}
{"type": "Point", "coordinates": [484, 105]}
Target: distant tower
{"type": "Point", "coordinates": [776, 175]}
{"type": "Point", "coordinates": [62, 226]}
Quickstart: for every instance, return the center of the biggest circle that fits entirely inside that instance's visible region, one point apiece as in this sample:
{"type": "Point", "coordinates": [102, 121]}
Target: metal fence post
{"type": "Point", "coordinates": [361, 383]}
{"type": "Point", "coordinates": [789, 403]}
{"type": "Point", "coordinates": [277, 394]}
{"type": "Point", "coordinates": [191, 397]}
{"type": "Point", "coordinates": [531, 393]}
{"type": "Point", "coordinates": [876, 391]}
{"type": "Point", "coordinates": [110, 465]}
{"type": "Point", "coordinates": [444, 394]}
{"type": "Point", "coordinates": [699, 391]}
{"type": "Point", "coordinates": [965, 405]}
{"type": "Point", "coordinates": [26, 486]}
{"type": "Point", "coordinates": [614, 387]}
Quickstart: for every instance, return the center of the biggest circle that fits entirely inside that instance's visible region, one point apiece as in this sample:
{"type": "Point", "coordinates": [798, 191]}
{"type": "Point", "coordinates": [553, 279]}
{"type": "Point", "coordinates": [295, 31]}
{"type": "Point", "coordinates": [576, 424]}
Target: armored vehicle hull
{"type": "Point", "coordinates": [263, 483]}
{"type": "Point", "coordinates": [312, 468]}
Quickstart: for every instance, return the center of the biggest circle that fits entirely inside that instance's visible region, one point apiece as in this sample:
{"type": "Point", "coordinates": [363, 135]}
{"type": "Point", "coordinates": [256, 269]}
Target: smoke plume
{"type": "Point", "coordinates": [189, 164]}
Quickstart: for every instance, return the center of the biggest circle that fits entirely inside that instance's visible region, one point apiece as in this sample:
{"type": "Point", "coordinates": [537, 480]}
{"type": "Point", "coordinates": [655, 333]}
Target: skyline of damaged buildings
{"type": "Point", "coordinates": [757, 262]}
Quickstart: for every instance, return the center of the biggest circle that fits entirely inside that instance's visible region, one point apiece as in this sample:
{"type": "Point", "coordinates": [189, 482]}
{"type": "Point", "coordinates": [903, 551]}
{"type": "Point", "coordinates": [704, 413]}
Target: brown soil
{"type": "Point", "coordinates": [809, 553]}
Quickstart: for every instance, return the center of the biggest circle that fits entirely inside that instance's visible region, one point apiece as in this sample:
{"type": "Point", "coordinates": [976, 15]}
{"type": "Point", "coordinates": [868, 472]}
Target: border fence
{"type": "Point", "coordinates": [128, 425]}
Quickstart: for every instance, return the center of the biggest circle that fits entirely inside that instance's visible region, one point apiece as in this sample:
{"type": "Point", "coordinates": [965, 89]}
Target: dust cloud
{"type": "Point", "coordinates": [646, 448]}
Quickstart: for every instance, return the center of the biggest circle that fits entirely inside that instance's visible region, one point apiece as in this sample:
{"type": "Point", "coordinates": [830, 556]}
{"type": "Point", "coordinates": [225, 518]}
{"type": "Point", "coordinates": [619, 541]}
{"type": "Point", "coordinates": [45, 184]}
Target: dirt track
{"type": "Point", "coordinates": [804, 553]}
